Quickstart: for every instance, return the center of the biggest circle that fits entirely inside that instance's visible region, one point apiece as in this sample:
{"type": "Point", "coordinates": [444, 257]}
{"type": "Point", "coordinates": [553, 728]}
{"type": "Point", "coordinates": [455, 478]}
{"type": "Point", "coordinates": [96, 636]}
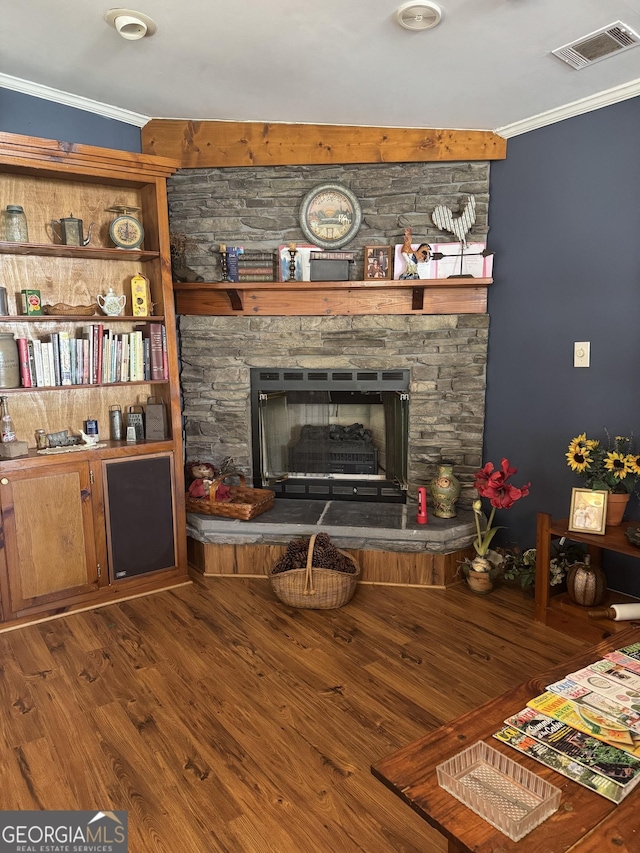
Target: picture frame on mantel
{"type": "Point", "coordinates": [588, 513]}
{"type": "Point", "coordinates": [377, 263]}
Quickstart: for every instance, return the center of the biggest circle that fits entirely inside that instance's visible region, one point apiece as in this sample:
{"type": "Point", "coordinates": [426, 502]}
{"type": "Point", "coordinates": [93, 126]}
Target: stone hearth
{"type": "Point", "coordinates": [388, 543]}
{"type": "Point", "coordinates": [353, 525]}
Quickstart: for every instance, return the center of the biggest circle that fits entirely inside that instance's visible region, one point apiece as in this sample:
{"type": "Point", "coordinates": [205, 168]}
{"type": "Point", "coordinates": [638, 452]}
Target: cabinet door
{"type": "Point", "coordinates": [140, 511]}
{"type": "Point", "coordinates": [49, 534]}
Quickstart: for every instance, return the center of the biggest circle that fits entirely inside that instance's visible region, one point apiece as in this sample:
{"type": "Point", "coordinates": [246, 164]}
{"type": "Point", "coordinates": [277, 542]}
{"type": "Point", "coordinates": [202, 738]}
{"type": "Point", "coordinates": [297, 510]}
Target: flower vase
{"type": "Point", "coordinates": [479, 576]}
{"type": "Point", "coordinates": [616, 506]}
{"type": "Point", "coordinates": [445, 491]}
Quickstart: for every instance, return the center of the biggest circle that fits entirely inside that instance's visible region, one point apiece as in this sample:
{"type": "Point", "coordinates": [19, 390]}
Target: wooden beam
{"type": "Point", "coordinates": [216, 144]}
{"type": "Point", "coordinates": [323, 298]}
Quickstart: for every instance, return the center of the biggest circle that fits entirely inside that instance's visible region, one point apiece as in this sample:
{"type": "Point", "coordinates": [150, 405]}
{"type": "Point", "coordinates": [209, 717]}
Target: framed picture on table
{"type": "Point", "coordinates": [588, 513]}
{"type": "Point", "coordinates": [377, 263]}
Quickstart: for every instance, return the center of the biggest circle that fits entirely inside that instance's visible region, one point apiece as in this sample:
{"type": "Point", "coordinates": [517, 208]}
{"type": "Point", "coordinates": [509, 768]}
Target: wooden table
{"type": "Point", "coordinates": [585, 821]}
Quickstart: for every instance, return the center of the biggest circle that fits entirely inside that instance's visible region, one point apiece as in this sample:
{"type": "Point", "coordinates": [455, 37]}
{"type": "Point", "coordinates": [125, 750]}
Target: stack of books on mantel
{"type": "Point", "coordinates": [587, 726]}
{"type": "Point", "coordinates": [257, 265]}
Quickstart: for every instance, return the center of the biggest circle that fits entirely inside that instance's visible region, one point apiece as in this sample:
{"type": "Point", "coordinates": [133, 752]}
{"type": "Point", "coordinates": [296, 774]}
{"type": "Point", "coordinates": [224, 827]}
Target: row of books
{"type": "Point", "coordinates": [587, 725]}
{"type": "Point", "coordinates": [251, 265]}
{"type": "Point", "coordinates": [99, 356]}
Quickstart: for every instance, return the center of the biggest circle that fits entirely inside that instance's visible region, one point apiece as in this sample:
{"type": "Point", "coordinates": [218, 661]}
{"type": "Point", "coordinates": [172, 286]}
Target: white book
{"type": "Point", "coordinates": [65, 358]}
{"type": "Point", "coordinates": [37, 358]}
{"type": "Point", "coordinates": [87, 334]}
{"type": "Point", "coordinates": [79, 344]}
{"type": "Point", "coordinates": [136, 365]}
{"type": "Point", "coordinates": [106, 358]}
{"type": "Point", "coordinates": [124, 365]}
{"type": "Point", "coordinates": [47, 364]}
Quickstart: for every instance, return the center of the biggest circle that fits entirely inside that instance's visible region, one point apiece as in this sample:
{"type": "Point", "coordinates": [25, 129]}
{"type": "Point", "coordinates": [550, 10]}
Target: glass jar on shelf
{"type": "Point", "coordinates": [15, 224]}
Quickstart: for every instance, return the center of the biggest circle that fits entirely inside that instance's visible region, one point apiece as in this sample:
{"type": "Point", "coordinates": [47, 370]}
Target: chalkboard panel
{"type": "Point", "coordinates": [140, 513]}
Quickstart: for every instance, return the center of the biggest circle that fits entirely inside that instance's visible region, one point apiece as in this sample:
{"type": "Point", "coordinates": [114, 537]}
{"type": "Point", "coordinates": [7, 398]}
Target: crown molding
{"type": "Point", "coordinates": [69, 100]}
{"type": "Point", "coordinates": [584, 105]}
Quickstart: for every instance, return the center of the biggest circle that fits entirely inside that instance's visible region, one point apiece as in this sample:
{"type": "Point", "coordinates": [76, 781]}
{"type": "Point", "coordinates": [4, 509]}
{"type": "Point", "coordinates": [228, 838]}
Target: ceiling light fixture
{"type": "Point", "coordinates": [419, 16]}
{"type": "Point", "coordinates": [129, 24]}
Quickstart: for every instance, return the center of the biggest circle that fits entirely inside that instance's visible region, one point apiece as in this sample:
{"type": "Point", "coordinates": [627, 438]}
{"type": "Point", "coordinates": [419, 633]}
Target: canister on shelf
{"type": "Point", "coordinates": [42, 442]}
{"type": "Point", "coordinates": [116, 425]}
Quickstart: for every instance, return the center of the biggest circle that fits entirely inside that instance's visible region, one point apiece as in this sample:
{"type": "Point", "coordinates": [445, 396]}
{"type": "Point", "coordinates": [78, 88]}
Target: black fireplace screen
{"type": "Point", "coordinates": [333, 434]}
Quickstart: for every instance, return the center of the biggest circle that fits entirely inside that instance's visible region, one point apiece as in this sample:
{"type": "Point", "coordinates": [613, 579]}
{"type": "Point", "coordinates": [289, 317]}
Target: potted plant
{"type": "Point", "coordinates": [520, 566]}
{"type": "Point", "coordinates": [492, 484]}
{"type": "Point", "coordinates": [614, 469]}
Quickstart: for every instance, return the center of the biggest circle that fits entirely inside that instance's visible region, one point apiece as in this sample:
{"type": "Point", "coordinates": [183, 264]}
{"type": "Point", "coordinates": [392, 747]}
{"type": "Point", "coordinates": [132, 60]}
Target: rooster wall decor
{"type": "Point", "coordinates": [459, 226]}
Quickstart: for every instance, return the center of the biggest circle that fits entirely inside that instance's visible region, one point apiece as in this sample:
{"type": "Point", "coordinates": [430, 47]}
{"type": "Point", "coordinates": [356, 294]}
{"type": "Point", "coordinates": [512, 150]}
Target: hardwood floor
{"type": "Point", "coordinates": [224, 721]}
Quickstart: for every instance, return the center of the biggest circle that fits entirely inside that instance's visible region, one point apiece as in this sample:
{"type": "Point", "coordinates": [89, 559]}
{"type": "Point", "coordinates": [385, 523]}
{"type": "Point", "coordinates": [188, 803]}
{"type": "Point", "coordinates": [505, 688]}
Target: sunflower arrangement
{"type": "Point", "coordinates": [614, 468]}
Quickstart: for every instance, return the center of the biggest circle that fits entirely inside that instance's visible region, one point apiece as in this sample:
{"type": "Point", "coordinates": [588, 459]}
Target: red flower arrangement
{"type": "Point", "coordinates": [493, 484]}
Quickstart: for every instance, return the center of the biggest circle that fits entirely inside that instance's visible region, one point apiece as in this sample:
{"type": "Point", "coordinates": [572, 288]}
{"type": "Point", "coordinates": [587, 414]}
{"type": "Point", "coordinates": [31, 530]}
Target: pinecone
{"type": "Point", "coordinates": [325, 556]}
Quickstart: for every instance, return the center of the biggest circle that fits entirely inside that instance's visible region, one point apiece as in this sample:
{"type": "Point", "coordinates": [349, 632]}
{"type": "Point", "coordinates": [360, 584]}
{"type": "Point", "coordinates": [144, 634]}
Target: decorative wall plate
{"type": "Point", "coordinates": [330, 216]}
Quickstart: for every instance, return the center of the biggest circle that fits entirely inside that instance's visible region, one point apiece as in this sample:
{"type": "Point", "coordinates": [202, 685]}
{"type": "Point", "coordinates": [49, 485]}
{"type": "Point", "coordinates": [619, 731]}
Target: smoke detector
{"type": "Point", "coordinates": [598, 45]}
{"type": "Point", "coordinates": [418, 16]}
{"type": "Point", "coordinates": [129, 24]}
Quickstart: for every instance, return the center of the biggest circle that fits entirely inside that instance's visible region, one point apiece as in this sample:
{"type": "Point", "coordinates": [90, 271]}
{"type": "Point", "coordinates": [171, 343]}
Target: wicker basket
{"type": "Point", "coordinates": [61, 309]}
{"type": "Point", "coordinates": [245, 502]}
{"type": "Point", "coordinates": [313, 588]}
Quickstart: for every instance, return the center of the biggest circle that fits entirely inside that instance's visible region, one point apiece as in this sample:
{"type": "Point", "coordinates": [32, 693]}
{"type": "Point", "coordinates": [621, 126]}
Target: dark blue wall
{"type": "Point", "coordinates": [36, 117]}
{"type": "Point", "coordinates": [565, 226]}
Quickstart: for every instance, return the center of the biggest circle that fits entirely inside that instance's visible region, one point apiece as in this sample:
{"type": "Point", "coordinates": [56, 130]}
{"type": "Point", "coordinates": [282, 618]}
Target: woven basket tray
{"type": "Point", "coordinates": [245, 502]}
{"type": "Point", "coordinates": [62, 309]}
{"type": "Point", "coordinates": [313, 588]}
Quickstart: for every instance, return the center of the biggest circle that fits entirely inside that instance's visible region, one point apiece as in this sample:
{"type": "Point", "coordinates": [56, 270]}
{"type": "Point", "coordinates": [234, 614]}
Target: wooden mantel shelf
{"type": "Point", "coordinates": [295, 298]}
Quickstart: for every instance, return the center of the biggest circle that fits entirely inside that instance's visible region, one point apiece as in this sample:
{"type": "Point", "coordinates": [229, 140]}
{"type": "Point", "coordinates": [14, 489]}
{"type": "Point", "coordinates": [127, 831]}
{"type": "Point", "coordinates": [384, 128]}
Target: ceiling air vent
{"type": "Point", "coordinates": [598, 45]}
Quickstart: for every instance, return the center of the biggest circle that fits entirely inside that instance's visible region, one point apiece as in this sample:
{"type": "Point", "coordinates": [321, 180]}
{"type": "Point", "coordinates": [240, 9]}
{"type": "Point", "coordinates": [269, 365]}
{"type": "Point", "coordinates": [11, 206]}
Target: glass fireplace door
{"type": "Point", "coordinates": [334, 435]}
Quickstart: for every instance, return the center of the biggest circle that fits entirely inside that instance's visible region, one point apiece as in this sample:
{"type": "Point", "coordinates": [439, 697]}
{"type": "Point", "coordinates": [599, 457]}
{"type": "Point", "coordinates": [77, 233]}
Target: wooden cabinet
{"type": "Point", "coordinates": [49, 535]}
{"type": "Point", "coordinates": [558, 611]}
{"type": "Point", "coordinates": [49, 504]}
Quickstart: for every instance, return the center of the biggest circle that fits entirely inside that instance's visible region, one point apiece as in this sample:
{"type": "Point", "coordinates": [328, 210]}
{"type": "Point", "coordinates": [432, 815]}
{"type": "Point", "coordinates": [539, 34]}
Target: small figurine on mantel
{"type": "Point", "coordinates": [413, 257]}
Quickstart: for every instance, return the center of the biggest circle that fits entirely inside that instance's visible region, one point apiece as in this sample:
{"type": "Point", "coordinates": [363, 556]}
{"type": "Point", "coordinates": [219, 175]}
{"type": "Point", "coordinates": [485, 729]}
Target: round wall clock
{"type": "Point", "coordinates": [330, 216]}
{"type": "Point", "coordinates": [125, 230]}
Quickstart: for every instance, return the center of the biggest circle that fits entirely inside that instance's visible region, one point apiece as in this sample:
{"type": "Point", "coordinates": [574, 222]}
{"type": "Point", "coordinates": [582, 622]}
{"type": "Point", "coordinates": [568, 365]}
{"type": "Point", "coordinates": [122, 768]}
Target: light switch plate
{"type": "Point", "coordinates": [581, 353]}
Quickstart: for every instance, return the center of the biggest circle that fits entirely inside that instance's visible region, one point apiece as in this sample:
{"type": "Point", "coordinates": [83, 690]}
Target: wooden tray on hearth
{"type": "Point", "coordinates": [245, 502]}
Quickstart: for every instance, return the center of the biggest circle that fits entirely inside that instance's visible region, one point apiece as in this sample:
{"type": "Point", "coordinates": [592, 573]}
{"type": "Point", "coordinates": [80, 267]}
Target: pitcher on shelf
{"type": "Point", "coordinates": [112, 304]}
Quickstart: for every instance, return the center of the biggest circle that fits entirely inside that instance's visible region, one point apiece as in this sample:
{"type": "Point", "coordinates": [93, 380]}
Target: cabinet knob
{"type": "Point", "coordinates": [4, 481]}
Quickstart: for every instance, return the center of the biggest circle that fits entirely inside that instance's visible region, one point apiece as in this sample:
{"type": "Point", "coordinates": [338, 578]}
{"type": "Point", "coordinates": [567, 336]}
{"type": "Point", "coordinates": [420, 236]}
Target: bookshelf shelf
{"type": "Point", "coordinates": [100, 253]}
{"type": "Point", "coordinates": [78, 318]}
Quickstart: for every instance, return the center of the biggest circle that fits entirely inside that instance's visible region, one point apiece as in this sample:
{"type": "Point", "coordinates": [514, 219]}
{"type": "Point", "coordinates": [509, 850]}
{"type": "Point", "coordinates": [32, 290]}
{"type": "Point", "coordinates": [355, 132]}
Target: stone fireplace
{"type": "Point", "coordinates": [444, 357]}
{"type": "Point", "coordinates": [227, 334]}
{"type": "Point", "coordinates": [330, 434]}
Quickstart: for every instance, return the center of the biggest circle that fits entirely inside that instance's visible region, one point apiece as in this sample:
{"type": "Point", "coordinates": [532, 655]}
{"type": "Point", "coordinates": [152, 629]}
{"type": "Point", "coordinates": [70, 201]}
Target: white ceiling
{"type": "Point", "coordinates": [486, 66]}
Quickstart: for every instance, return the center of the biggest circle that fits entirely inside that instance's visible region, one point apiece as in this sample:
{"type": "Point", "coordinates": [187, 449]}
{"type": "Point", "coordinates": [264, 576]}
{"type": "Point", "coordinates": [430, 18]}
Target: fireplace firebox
{"type": "Point", "coordinates": [335, 434]}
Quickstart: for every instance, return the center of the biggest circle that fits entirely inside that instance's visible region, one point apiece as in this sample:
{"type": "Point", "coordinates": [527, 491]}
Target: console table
{"type": "Point", "coordinates": [558, 611]}
{"type": "Point", "coordinates": [585, 821]}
